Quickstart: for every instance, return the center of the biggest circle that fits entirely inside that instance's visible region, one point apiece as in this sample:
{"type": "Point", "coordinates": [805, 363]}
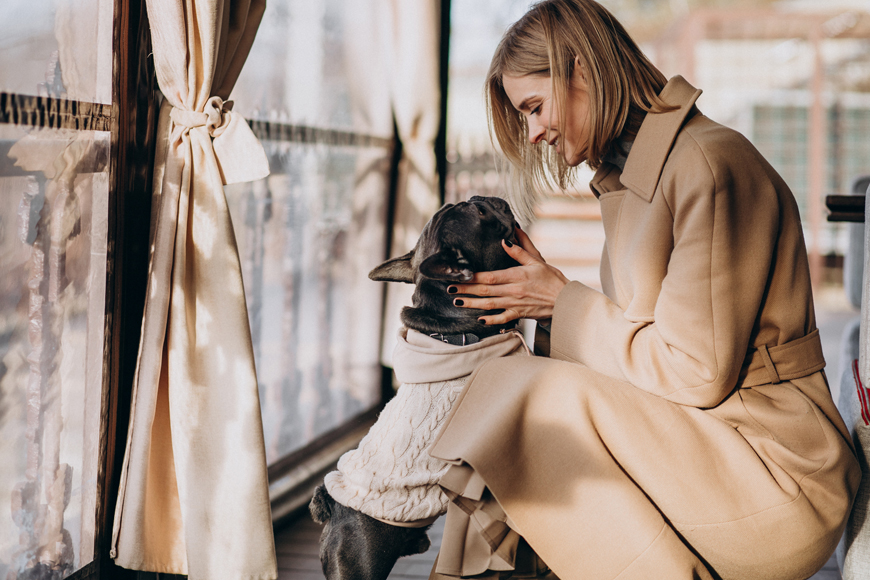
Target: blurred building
{"type": "Point", "coordinates": [795, 79]}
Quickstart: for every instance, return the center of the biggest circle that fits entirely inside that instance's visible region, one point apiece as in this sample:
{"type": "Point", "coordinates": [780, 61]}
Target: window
{"type": "Point", "coordinates": [310, 232]}
{"type": "Point", "coordinates": [69, 184]}
{"type": "Point", "coordinates": [78, 112]}
{"type": "Point", "coordinates": [780, 133]}
{"type": "Point", "coordinates": [55, 78]}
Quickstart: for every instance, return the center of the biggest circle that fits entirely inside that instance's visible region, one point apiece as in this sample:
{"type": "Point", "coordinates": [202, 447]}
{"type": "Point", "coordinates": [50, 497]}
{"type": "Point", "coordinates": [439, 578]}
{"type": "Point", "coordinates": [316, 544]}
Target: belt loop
{"type": "Point", "coordinates": [768, 363]}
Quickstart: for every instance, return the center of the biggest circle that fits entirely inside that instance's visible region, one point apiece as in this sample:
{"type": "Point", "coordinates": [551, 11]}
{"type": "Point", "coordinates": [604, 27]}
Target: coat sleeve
{"type": "Point", "coordinates": [725, 227]}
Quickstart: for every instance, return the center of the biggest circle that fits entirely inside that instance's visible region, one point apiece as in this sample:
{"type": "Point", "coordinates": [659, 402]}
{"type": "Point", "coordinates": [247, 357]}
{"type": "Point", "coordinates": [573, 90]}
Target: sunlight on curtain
{"type": "Point", "coordinates": [195, 438]}
{"type": "Point", "coordinates": [298, 72]}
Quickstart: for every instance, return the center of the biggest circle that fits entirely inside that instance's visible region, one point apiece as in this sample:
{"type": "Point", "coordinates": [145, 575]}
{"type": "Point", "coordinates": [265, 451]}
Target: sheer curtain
{"type": "Point", "coordinates": [194, 493]}
{"type": "Point", "coordinates": [412, 30]}
{"type": "Point", "coordinates": [54, 191]}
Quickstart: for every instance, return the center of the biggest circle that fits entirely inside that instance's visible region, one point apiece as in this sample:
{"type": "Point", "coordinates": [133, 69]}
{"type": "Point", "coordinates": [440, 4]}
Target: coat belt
{"type": "Point", "coordinates": [774, 364]}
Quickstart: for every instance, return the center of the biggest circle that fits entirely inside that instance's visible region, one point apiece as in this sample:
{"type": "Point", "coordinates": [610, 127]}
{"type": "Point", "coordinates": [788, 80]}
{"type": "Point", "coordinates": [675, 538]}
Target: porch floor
{"type": "Point", "coordinates": [297, 547]}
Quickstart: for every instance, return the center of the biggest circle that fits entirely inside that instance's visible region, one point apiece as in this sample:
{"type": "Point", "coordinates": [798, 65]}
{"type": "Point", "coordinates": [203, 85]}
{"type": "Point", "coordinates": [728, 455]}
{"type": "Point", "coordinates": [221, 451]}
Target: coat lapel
{"type": "Point", "coordinates": [655, 138]}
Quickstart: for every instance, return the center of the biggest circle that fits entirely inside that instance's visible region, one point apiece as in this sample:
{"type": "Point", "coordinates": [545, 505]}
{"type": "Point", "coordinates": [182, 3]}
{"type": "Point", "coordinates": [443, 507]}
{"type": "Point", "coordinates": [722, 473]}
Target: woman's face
{"type": "Point", "coordinates": [533, 97]}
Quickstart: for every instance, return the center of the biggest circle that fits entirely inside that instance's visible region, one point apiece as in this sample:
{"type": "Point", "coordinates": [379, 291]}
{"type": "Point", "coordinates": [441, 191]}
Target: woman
{"type": "Point", "coordinates": [682, 426]}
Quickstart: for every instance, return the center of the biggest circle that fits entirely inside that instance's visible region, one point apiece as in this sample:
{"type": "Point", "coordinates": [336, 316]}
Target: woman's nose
{"type": "Point", "coordinates": [537, 131]}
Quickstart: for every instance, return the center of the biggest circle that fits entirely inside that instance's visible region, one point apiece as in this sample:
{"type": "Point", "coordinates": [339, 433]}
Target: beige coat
{"type": "Point", "coordinates": [686, 429]}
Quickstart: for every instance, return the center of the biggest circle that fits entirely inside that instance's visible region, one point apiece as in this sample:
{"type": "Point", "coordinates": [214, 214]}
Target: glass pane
{"type": "Point", "coordinates": [57, 48]}
{"type": "Point", "coordinates": [780, 133]}
{"type": "Point", "coordinates": [302, 69]}
{"type": "Point", "coordinates": [476, 26]}
{"type": "Point", "coordinates": [308, 235]}
{"type": "Point", "coordinates": [53, 226]}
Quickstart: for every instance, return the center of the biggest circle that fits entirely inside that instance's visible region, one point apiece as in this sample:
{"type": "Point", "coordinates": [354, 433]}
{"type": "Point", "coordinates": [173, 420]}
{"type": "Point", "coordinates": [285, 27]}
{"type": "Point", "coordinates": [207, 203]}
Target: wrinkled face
{"type": "Point", "coordinates": [464, 238]}
{"type": "Point", "coordinates": [458, 241]}
{"type": "Point", "coordinates": [533, 96]}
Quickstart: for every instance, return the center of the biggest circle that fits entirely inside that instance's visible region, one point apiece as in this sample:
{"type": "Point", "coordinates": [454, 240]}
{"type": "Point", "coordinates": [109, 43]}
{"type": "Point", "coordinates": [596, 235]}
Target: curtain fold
{"type": "Point", "coordinates": [415, 93]}
{"type": "Point", "coordinates": [194, 496]}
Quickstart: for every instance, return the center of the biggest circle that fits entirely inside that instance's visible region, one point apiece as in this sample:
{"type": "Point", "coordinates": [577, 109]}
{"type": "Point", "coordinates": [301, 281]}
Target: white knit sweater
{"type": "Point", "coordinates": [391, 475]}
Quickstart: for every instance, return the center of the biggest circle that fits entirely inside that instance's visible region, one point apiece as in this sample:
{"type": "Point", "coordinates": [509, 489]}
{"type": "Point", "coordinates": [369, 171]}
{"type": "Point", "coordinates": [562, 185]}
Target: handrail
{"type": "Point", "coordinates": [54, 113]}
{"type": "Point", "coordinates": [272, 131]}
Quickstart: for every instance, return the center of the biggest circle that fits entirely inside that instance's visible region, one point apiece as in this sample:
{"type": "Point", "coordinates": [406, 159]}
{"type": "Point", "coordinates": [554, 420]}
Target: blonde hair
{"type": "Point", "coordinates": [623, 86]}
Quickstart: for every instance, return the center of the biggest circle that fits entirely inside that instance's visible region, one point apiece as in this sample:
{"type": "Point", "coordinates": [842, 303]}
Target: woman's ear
{"type": "Point", "coordinates": [578, 74]}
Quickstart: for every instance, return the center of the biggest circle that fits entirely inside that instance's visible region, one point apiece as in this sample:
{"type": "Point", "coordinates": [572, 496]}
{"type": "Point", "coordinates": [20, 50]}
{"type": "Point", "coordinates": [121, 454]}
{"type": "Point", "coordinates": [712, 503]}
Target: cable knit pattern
{"type": "Point", "coordinates": [391, 475]}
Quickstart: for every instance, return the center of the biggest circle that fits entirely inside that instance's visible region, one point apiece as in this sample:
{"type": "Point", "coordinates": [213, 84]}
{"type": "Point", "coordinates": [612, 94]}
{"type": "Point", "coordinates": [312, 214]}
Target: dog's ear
{"type": "Point", "coordinates": [449, 264]}
{"type": "Point", "coordinates": [395, 270]}
{"type": "Point", "coordinates": [320, 506]}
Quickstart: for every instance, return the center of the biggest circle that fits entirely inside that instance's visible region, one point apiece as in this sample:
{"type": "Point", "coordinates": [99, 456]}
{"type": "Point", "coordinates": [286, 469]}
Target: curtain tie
{"type": "Point", "coordinates": [212, 117]}
{"type": "Point", "coordinates": [239, 153]}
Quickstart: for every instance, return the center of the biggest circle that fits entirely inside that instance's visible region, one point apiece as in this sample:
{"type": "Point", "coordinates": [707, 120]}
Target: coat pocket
{"type": "Point", "coordinates": [785, 428]}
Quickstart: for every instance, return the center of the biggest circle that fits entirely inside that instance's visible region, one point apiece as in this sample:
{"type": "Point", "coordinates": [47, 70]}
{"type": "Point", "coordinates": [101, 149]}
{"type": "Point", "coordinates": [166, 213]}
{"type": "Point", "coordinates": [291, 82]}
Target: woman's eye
{"type": "Point", "coordinates": [536, 110]}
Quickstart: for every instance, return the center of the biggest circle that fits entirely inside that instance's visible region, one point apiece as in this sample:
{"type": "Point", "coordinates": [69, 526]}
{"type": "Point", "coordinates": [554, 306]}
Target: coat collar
{"type": "Point", "coordinates": [654, 140]}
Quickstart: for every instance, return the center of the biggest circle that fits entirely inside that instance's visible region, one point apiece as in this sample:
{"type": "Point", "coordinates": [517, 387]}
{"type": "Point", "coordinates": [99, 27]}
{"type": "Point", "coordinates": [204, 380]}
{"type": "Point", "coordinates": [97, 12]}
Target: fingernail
{"type": "Point", "coordinates": [451, 289]}
{"type": "Point", "coordinates": [482, 321]}
{"type": "Point", "coordinates": [509, 244]}
{"type": "Point", "coordinates": [458, 302]}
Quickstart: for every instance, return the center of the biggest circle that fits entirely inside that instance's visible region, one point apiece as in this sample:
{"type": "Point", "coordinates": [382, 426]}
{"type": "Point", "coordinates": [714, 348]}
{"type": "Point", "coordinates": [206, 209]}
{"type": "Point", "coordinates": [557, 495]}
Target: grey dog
{"type": "Point", "coordinates": [458, 241]}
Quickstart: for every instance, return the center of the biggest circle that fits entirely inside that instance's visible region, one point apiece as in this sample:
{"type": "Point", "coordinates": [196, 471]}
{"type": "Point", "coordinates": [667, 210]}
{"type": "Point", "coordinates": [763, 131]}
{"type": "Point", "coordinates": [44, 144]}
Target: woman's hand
{"type": "Point", "coordinates": [525, 291]}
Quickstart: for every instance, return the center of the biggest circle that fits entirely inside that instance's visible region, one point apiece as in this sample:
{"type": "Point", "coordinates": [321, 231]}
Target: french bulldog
{"type": "Point", "coordinates": [458, 241]}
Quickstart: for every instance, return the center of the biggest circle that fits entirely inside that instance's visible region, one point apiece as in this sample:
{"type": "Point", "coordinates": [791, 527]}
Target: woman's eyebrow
{"type": "Point", "coordinates": [525, 103]}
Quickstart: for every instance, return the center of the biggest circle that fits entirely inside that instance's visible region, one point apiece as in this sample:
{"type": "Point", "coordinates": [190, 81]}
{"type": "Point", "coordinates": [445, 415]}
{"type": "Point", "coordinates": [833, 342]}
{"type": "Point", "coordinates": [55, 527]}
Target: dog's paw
{"type": "Point", "coordinates": [321, 505]}
{"type": "Point", "coordinates": [417, 543]}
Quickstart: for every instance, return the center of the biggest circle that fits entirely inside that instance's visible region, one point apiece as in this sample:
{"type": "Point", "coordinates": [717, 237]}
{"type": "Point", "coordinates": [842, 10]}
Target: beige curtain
{"type": "Point", "coordinates": [194, 493]}
{"type": "Point", "coordinates": [413, 30]}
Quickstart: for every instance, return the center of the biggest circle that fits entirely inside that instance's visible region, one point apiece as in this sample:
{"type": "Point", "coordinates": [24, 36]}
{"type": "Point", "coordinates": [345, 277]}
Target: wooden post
{"type": "Point", "coordinates": [817, 160]}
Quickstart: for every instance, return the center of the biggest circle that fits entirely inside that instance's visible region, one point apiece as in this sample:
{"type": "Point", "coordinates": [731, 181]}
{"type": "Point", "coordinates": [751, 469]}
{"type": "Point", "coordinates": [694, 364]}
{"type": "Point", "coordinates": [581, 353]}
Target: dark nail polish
{"type": "Point", "coordinates": [451, 290]}
{"type": "Point", "coordinates": [458, 302]}
{"type": "Point", "coordinates": [509, 244]}
{"type": "Point", "coordinates": [482, 321]}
